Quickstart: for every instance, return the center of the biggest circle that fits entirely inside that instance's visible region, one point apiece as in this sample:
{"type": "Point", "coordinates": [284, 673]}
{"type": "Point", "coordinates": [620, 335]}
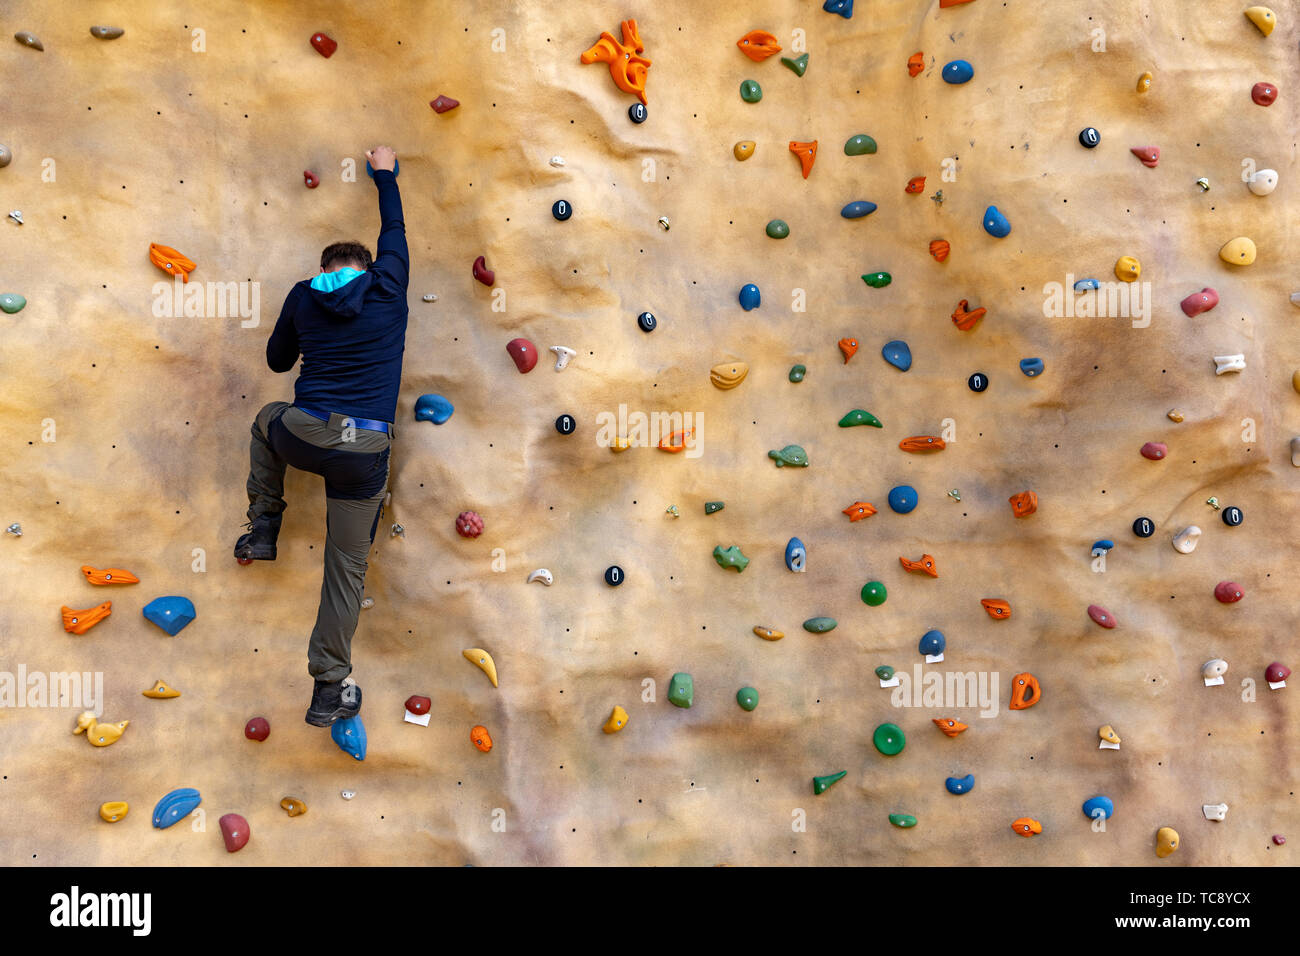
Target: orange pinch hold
{"type": "Point", "coordinates": [1024, 504]}
{"type": "Point", "coordinates": [676, 441]}
{"type": "Point", "coordinates": [79, 622]}
{"type": "Point", "coordinates": [915, 185]}
{"type": "Point", "coordinates": [997, 608]}
{"type": "Point", "coordinates": [625, 66]}
{"type": "Point", "coordinates": [915, 63]}
{"type": "Point", "coordinates": [1025, 691]}
{"type": "Point", "coordinates": [859, 510]}
{"type": "Point", "coordinates": [939, 248]}
{"type": "Point", "coordinates": [170, 261]}
{"type": "Point", "coordinates": [108, 575]}
{"type": "Point", "coordinates": [850, 348]}
{"type": "Point", "coordinates": [964, 319]}
{"type": "Point", "coordinates": [481, 738]}
{"type": "Point", "coordinates": [925, 565]}
{"type": "Point", "coordinates": [949, 726]}
{"type": "Point", "coordinates": [758, 45]}
{"type": "Point", "coordinates": [922, 443]}
{"type": "Point", "coordinates": [1027, 827]}
{"type": "Point", "coordinates": [807, 153]}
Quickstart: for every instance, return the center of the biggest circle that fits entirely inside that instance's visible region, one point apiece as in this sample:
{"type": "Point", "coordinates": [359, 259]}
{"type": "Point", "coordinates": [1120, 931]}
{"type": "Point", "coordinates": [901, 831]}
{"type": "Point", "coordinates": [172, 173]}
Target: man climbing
{"type": "Point", "coordinates": [349, 325]}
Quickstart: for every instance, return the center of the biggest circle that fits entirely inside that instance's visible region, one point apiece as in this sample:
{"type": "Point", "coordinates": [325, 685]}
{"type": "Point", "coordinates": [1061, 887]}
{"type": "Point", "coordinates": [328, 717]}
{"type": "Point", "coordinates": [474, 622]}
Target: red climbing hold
{"type": "Point", "coordinates": [469, 524]}
{"type": "Point", "coordinates": [244, 560]}
{"type": "Point", "coordinates": [524, 353]}
{"type": "Point", "coordinates": [482, 272]}
{"type": "Point", "coordinates": [323, 45]}
{"type": "Point", "coordinates": [257, 729]}
{"type": "Point", "coordinates": [944, 4]}
{"type": "Point", "coordinates": [310, 178]}
{"type": "Point", "coordinates": [1228, 593]}
{"type": "Point", "coordinates": [417, 704]}
{"type": "Point", "coordinates": [915, 185]}
{"type": "Point", "coordinates": [234, 830]}
{"type": "Point", "coordinates": [1149, 155]}
{"type": "Point", "coordinates": [444, 103]}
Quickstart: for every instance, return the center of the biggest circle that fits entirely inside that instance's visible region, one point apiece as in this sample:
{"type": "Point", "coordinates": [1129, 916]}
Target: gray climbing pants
{"type": "Point", "coordinates": [354, 464]}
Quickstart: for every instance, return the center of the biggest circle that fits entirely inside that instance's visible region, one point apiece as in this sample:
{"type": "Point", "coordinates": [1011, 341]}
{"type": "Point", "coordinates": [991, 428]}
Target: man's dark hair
{"type": "Point", "coordinates": [345, 252]}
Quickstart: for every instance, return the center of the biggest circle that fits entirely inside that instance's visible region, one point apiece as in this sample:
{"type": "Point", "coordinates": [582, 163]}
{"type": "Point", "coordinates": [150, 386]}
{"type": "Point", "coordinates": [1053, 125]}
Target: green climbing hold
{"type": "Point", "coordinates": [791, 455]}
{"type": "Point", "coordinates": [747, 698]}
{"type": "Point", "coordinates": [820, 625]}
{"type": "Point", "coordinates": [822, 784]}
{"type": "Point", "coordinates": [860, 417]}
{"type": "Point", "coordinates": [12, 302]}
{"type": "Point", "coordinates": [902, 820]}
{"type": "Point", "coordinates": [799, 64]}
{"type": "Point", "coordinates": [750, 91]}
{"type": "Point", "coordinates": [877, 280]}
{"type": "Point", "coordinates": [730, 557]}
{"type": "Point", "coordinates": [778, 229]}
{"type": "Point", "coordinates": [889, 739]}
{"type": "Point", "coordinates": [797, 372]}
{"type": "Point", "coordinates": [681, 690]}
{"type": "Point", "coordinates": [713, 506]}
{"type": "Point", "coordinates": [885, 672]}
{"type": "Point", "coordinates": [859, 145]}
{"type": "Point", "coordinates": [873, 594]}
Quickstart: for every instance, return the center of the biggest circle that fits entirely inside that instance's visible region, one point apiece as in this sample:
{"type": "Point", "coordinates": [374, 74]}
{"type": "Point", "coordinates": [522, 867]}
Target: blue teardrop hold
{"type": "Point", "coordinates": [171, 613]}
{"type": "Point", "coordinates": [350, 735]}
{"type": "Point", "coordinates": [960, 785]}
{"type": "Point", "coordinates": [1092, 805]}
{"type": "Point", "coordinates": [897, 354]}
{"type": "Point", "coordinates": [796, 555]}
{"type": "Point", "coordinates": [370, 171]}
{"type": "Point", "coordinates": [858, 209]}
{"type": "Point", "coordinates": [902, 499]}
{"type": "Point", "coordinates": [433, 408]}
{"type": "Point", "coordinates": [1102, 546]}
{"type": "Point", "coordinates": [932, 642]}
{"type": "Point", "coordinates": [1083, 285]}
{"type": "Point", "coordinates": [996, 224]}
{"type": "Point", "coordinates": [1031, 366]}
{"type": "Point", "coordinates": [958, 71]}
{"type": "Point", "coordinates": [750, 298]}
{"type": "Point", "coordinates": [174, 806]}
{"type": "Point", "coordinates": [843, 7]}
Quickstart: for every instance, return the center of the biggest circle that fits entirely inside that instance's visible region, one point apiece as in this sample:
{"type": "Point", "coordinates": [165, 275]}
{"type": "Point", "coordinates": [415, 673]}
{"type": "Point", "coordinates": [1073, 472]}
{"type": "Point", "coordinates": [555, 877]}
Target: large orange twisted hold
{"type": "Point", "coordinates": [625, 66]}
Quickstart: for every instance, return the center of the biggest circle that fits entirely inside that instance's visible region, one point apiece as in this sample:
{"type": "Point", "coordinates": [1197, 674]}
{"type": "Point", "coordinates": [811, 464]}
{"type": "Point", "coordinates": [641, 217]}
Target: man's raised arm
{"type": "Point", "coordinates": [392, 259]}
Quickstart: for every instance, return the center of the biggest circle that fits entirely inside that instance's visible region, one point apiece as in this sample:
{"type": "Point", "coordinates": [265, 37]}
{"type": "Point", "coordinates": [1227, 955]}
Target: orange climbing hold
{"type": "Point", "coordinates": [997, 608]}
{"type": "Point", "coordinates": [807, 153]}
{"type": "Point", "coordinates": [676, 441]}
{"type": "Point", "coordinates": [965, 320]}
{"type": "Point", "coordinates": [1024, 504]}
{"type": "Point", "coordinates": [939, 248]}
{"type": "Point", "coordinates": [170, 261]}
{"type": "Point", "coordinates": [859, 510]}
{"type": "Point", "coordinates": [625, 65]}
{"type": "Point", "coordinates": [922, 443]}
{"type": "Point", "coordinates": [949, 726]}
{"type": "Point", "coordinates": [925, 565]}
{"type": "Point", "coordinates": [1027, 827]}
{"type": "Point", "coordinates": [1025, 691]}
{"type": "Point", "coordinates": [915, 63]}
{"type": "Point", "coordinates": [850, 348]}
{"type": "Point", "coordinates": [915, 185]}
{"type": "Point", "coordinates": [79, 622]}
{"type": "Point", "coordinates": [108, 575]}
{"type": "Point", "coordinates": [758, 45]}
{"type": "Point", "coordinates": [481, 738]}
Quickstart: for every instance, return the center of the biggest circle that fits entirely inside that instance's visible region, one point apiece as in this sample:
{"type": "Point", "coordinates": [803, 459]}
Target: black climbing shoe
{"type": "Point", "coordinates": [259, 543]}
{"type": "Point", "coordinates": [331, 701]}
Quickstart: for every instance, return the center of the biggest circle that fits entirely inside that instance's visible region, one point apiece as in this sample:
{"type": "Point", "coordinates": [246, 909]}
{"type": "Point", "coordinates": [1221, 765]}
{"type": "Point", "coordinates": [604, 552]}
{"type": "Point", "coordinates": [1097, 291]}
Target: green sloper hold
{"type": "Point", "coordinates": [711, 507]}
{"type": "Point", "coordinates": [778, 229]}
{"type": "Point", "coordinates": [750, 91]}
{"type": "Point", "coordinates": [797, 372]}
{"type": "Point", "coordinates": [902, 820]}
{"type": "Point", "coordinates": [877, 280]}
{"type": "Point", "coordinates": [822, 784]}
{"type": "Point", "coordinates": [884, 672]}
{"type": "Point", "coordinates": [873, 594]}
{"type": "Point", "coordinates": [747, 698]}
{"type": "Point", "coordinates": [730, 557]}
{"type": "Point", "coordinates": [889, 739]}
{"type": "Point", "coordinates": [792, 455]}
{"type": "Point", "coordinates": [820, 625]}
{"type": "Point", "coordinates": [859, 145]}
{"type": "Point", "coordinates": [12, 302]}
{"type": "Point", "coordinates": [799, 64]}
{"type": "Point", "coordinates": [859, 417]}
{"type": "Point", "coordinates": [681, 690]}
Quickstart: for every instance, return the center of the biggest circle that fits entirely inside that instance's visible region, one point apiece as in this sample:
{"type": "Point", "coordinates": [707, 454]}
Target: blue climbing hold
{"type": "Point", "coordinates": [1101, 547]}
{"type": "Point", "coordinates": [932, 643]}
{"type": "Point", "coordinates": [370, 171]}
{"type": "Point", "coordinates": [897, 354]}
{"type": "Point", "coordinates": [1098, 805]}
{"type": "Point", "coordinates": [171, 613]}
{"type": "Point", "coordinates": [750, 298]}
{"type": "Point", "coordinates": [958, 71]}
{"type": "Point", "coordinates": [350, 735]}
{"type": "Point", "coordinates": [960, 785]}
{"type": "Point", "coordinates": [1031, 366]}
{"type": "Point", "coordinates": [174, 806]}
{"type": "Point", "coordinates": [858, 209]}
{"type": "Point", "coordinates": [902, 499]}
{"type": "Point", "coordinates": [996, 224]}
{"type": "Point", "coordinates": [433, 408]}
{"type": "Point", "coordinates": [843, 7]}
{"type": "Point", "coordinates": [796, 555]}
{"type": "Point", "coordinates": [1083, 285]}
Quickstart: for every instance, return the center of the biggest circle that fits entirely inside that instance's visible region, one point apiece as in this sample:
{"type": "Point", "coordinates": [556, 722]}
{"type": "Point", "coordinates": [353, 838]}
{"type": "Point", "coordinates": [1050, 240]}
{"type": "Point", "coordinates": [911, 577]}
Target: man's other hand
{"type": "Point", "coordinates": [381, 157]}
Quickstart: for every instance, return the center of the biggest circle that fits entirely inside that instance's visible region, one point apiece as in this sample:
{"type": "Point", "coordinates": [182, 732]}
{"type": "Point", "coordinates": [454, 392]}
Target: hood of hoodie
{"type": "Point", "coordinates": [341, 292]}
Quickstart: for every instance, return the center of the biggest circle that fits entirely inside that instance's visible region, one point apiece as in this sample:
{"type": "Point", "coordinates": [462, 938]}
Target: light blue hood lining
{"type": "Point", "coordinates": [332, 281]}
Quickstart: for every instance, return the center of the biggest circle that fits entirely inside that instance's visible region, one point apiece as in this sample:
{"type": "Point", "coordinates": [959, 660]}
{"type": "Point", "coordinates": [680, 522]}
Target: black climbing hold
{"type": "Point", "coordinates": [1089, 137]}
{"type": "Point", "coordinates": [1144, 527]}
{"type": "Point", "coordinates": [1232, 516]}
{"type": "Point", "coordinates": [978, 382]}
{"type": "Point", "coordinates": [613, 575]}
{"type": "Point", "coordinates": [562, 209]}
{"type": "Point", "coordinates": [565, 425]}
{"type": "Point", "coordinates": [637, 113]}
{"type": "Point", "coordinates": [647, 321]}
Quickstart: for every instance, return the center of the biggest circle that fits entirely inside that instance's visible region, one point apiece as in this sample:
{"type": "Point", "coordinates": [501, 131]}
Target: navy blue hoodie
{"type": "Point", "coordinates": [351, 339]}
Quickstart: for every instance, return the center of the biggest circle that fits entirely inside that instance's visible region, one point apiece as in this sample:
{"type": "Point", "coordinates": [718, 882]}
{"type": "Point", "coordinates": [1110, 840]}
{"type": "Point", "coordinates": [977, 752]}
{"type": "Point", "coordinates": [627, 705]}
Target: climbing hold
{"type": "Point", "coordinates": [417, 705]}
{"type": "Point", "coordinates": [796, 555]}
{"type": "Point", "coordinates": [663, 221]}
{"type": "Point", "coordinates": [310, 179]}
{"type": "Point", "coordinates": [323, 45]}
{"type": "Point", "coordinates": [1144, 82]}
{"type": "Point", "coordinates": [79, 622]}
{"type": "Point", "coordinates": [1101, 616]}
{"type": "Point", "coordinates": [977, 383]}
{"type": "Point", "coordinates": [877, 280]}
{"type": "Point", "coordinates": [12, 303]}
{"type": "Point", "coordinates": [750, 91]}
{"type": "Point", "coordinates": [822, 784]}
{"type": "Point", "coordinates": [561, 209]}
{"type": "Point", "coordinates": [1089, 137]}
{"type": "Point", "coordinates": [860, 145]}
{"type": "Point", "coordinates": [17, 216]}
{"type": "Point", "coordinates": [1155, 450]}
{"type": "Point", "coordinates": [1212, 671]}
{"type": "Point", "coordinates": [750, 298]}
{"type": "Point", "coordinates": [960, 785]}
{"type": "Point", "coordinates": [1263, 94]}
{"type": "Point", "coordinates": [886, 673]}
{"type": "Point", "coordinates": [731, 557]}
{"type": "Point", "coordinates": [443, 104]}
{"type": "Point", "coordinates": [747, 698]}
{"type": "Point", "coordinates": [744, 149]}
{"type": "Point", "coordinates": [524, 354]}
{"type": "Point", "coordinates": [996, 608]}
{"type": "Point", "coordinates": [903, 821]}
{"type": "Point", "coordinates": [1228, 592]}
{"type": "Point", "coordinates": [1263, 182]}
{"type": "Point", "coordinates": [1204, 184]}
{"type": "Point", "coordinates": [797, 373]}
{"type": "Point", "coordinates": [106, 33]}
{"type": "Point", "coordinates": [873, 594]}
{"type": "Point", "coordinates": [433, 408]}
{"type": "Point", "coordinates": [1144, 527]}
{"type": "Point", "coordinates": [614, 575]}
{"type": "Point", "coordinates": [1027, 827]}
{"type": "Point", "coordinates": [799, 65]}
{"type": "Point", "coordinates": [234, 831]}
{"type": "Point", "coordinates": [949, 726]}
{"type": "Point", "coordinates": [1023, 504]}
{"type": "Point", "coordinates": [350, 735]}
{"type": "Point", "coordinates": [566, 424]}
{"type": "Point", "coordinates": [1025, 691]}
{"type": "Point", "coordinates": [28, 39]}
{"type": "Point", "coordinates": [676, 441]}
{"type": "Point", "coordinates": [480, 738]}
{"type": "Point", "coordinates": [1148, 155]}
{"type": "Point", "coordinates": [1199, 302]}
{"type": "Point", "coordinates": [849, 347]}
{"type": "Point", "coordinates": [791, 455]}
{"type": "Point", "coordinates": [889, 739]}
{"type": "Point", "coordinates": [996, 224]}
{"type": "Point", "coordinates": [916, 63]}
{"type": "Point", "coordinates": [617, 720]}
{"type": "Point", "coordinates": [293, 806]}
{"type": "Point", "coordinates": [897, 354]}
{"type": "Point", "coordinates": [1215, 811]}
{"type": "Point", "coordinates": [1238, 252]}
{"type": "Point", "coordinates": [160, 691]}
{"type": "Point", "coordinates": [429, 297]}
{"type": "Point", "coordinates": [860, 417]}
{"type": "Point", "coordinates": [1099, 807]}
{"type": "Point", "coordinates": [1108, 736]}
{"type": "Point", "coordinates": [1086, 285]}
{"type": "Point", "coordinates": [1276, 675]}
{"type": "Point", "coordinates": [859, 510]}
{"type": "Point", "coordinates": [845, 9]}
{"type": "Point", "coordinates": [99, 734]}
{"type": "Point", "coordinates": [108, 576]}
{"type": "Point", "coordinates": [626, 67]}
{"type": "Point", "coordinates": [1262, 17]}
{"type": "Point", "coordinates": [483, 660]}
{"type": "Point", "coordinates": [713, 507]}
{"type": "Point", "coordinates": [925, 565]}
{"type": "Point", "coordinates": [469, 524]}
{"type": "Point", "coordinates": [543, 575]}
{"type": "Point", "coordinates": [915, 185]}
{"type": "Point", "coordinates": [1174, 415]}
{"type": "Point", "coordinates": [767, 633]}
{"type": "Point", "coordinates": [778, 229]}
{"type": "Point", "coordinates": [562, 355]}
{"type": "Point", "coordinates": [939, 248]}
{"type": "Point", "coordinates": [347, 794]}
{"type": "Point", "coordinates": [958, 71]}
{"type": "Point", "coordinates": [167, 259]}
{"type": "Point", "coordinates": [258, 728]}
{"type": "Point", "coordinates": [1127, 269]}
{"type": "Point", "coordinates": [637, 113]}
{"type": "Point", "coordinates": [482, 273]}
{"type": "Point", "coordinates": [819, 625]}
{"type": "Point", "coordinates": [1166, 841]}
{"type": "Point", "coordinates": [858, 209]}
{"type": "Point", "coordinates": [931, 646]}
{"type": "Point", "coordinates": [902, 498]}
{"type": "Point", "coordinates": [965, 319]}
{"type": "Point", "coordinates": [758, 45]}
{"type": "Point", "coordinates": [6, 156]}
{"type": "Point", "coordinates": [1229, 363]}
{"type": "Point", "coordinates": [1232, 516]}
{"type": "Point", "coordinates": [1031, 366]}
{"type": "Point", "coordinates": [1102, 547]}
{"type": "Point", "coordinates": [646, 322]}
{"type": "Point", "coordinates": [727, 375]}
{"type": "Point", "coordinates": [807, 153]}
{"type": "Point", "coordinates": [175, 805]}
{"type": "Point", "coordinates": [113, 811]}
{"type": "Point", "coordinates": [172, 613]}
{"type": "Point", "coordinates": [681, 690]}
{"type": "Point", "coordinates": [920, 443]}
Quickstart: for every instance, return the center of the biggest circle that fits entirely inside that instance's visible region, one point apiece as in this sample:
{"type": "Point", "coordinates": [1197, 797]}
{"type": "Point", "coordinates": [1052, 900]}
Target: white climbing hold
{"type": "Point", "coordinates": [367, 603]}
{"type": "Point", "coordinates": [1215, 811]}
{"type": "Point", "coordinates": [1213, 671]}
{"type": "Point", "coordinates": [398, 531]}
{"type": "Point", "coordinates": [663, 221]}
{"type": "Point", "coordinates": [1295, 299]}
{"type": "Point", "coordinates": [557, 161]}
{"type": "Point", "coordinates": [430, 297]}
{"type": "Point", "coordinates": [1229, 363]}
{"type": "Point", "coordinates": [1263, 182]}
{"type": "Point", "coordinates": [543, 575]}
{"type": "Point", "coordinates": [1186, 540]}
{"type": "Point", "coordinates": [17, 216]}
{"type": "Point", "coordinates": [562, 355]}
{"type": "Point", "coordinates": [15, 529]}
{"type": "Point", "coordinates": [347, 794]}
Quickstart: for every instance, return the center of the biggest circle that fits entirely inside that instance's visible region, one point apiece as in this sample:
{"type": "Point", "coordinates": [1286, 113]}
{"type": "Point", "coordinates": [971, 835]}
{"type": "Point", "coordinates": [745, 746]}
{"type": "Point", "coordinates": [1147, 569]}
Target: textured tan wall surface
{"type": "Point", "coordinates": [153, 142]}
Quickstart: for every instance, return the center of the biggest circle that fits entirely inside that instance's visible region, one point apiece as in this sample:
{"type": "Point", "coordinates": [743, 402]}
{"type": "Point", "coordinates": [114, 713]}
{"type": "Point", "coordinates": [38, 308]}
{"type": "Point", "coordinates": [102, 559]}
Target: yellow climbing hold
{"type": "Point", "coordinates": [1295, 380]}
{"type": "Point", "coordinates": [1144, 82]}
{"type": "Point", "coordinates": [1166, 841]}
{"type": "Point", "coordinates": [113, 811]}
{"type": "Point", "coordinates": [1175, 415]}
{"type": "Point", "coordinates": [100, 735]}
{"type": "Point", "coordinates": [293, 806]}
{"type": "Point", "coordinates": [727, 375]}
{"type": "Point", "coordinates": [744, 149]}
{"type": "Point", "coordinates": [620, 444]}
{"type": "Point", "coordinates": [1264, 18]}
{"type": "Point", "coordinates": [1127, 269]}
{"type": "Point", "coordinates": [768, 634]}
{"type": "Point", "coordinates": [1239, 251]}
{"type": "Point", "coordinates": [481, 658]}
{"type": "Point", "coordinates": [617, 721]}
{"type": "Point", "coordinates": [1107, 733]}
{"type": "Point", "coordinates": [160, 691]}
